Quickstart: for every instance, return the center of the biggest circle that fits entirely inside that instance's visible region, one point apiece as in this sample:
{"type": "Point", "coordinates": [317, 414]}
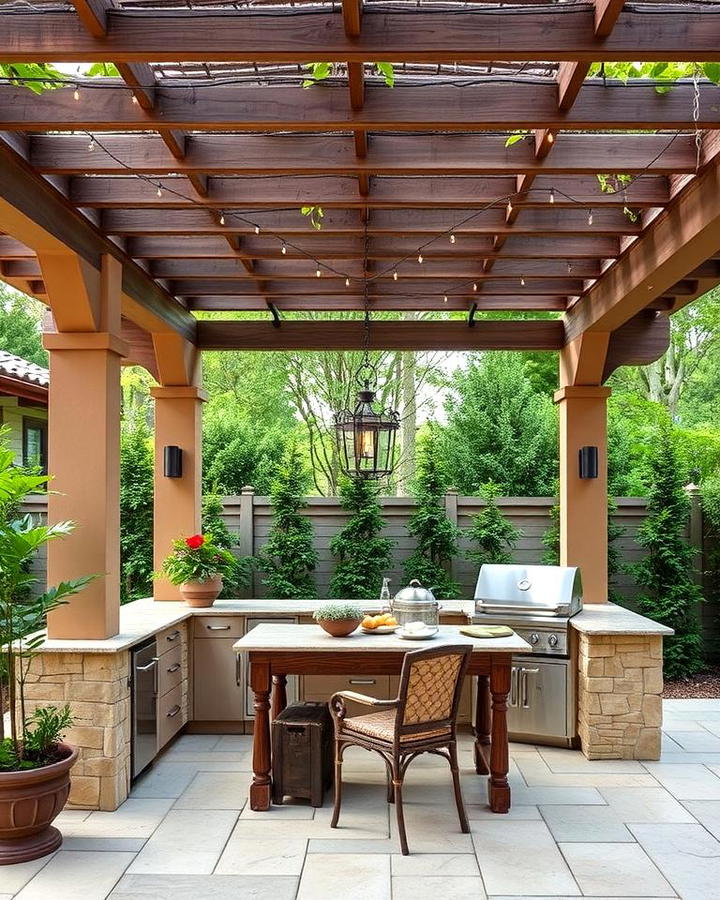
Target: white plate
{"type": "Point", "coordinates": [381, 629]}
{"type": "Point", "coordinates": [415, 635]}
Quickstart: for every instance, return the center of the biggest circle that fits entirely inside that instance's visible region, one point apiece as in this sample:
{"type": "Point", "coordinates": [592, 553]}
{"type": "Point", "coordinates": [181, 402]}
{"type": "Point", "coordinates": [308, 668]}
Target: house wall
{"type": "Point", "coordinates": [11, 415]}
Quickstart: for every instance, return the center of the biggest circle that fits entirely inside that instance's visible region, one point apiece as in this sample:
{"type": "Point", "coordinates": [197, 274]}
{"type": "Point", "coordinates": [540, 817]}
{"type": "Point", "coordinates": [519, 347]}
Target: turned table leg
{"type": "Point", "coordinates": [261, 783]}
{"type": "Point", "coordinates": [498, 787]}
{"type": "Point", "coordinates": [279, 695]}
{"type": "Point", "coordinates": [483, 722]}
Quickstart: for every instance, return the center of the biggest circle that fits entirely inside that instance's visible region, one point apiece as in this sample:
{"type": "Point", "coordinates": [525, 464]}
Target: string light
{"type": "Point", "coordinates": [347, 282]}
{"type": "Point", "coordinates": [91, 144]}
{"type": "Point", "coordinates": [318, 273]}
{"type": "Point", "coordinates": [452, 238]}
{"type": "Point", "coordinates": [590, 217]}
{"type": "Point", "coordinates": [569, 268]}
{"type": "Point", "coordinates": [550, 137]}
{"type": "Point", "coordinates": [257, 229]}
{"type": "Point", "coordinates": [159, 190]}
{"type": "Point", "coordinates": [522, 281]}
{"type": "Point", "coordinates": [222, 218]}
{"type": "Point", "coordinates": [135, 99]}
{"type": "Point", "coordinates": [509, 207]}
{"type": "Point", "coordinates": [444, 298]}
{"type": "Point", "coordinates": [283, 250]}
{"type": "Point", "coordinates": [420, 258]}
{"type": "Point", "coordinates": [474, 285]}
{"type": "Point", "coordinates": [552, 195]}
{"type": "Point", "coordinates": [76, 93]}
{"type": "Point", "coordinates": [395, 275]}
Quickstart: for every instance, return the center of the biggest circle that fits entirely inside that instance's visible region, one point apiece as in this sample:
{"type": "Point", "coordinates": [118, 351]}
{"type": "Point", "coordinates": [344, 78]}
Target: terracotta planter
{"type": "Point", "coordinates": [339, 627]}
{"type": "Point", "coordinates": [201, 593]}
{"type": "Point", "coordinates": [29, 802]}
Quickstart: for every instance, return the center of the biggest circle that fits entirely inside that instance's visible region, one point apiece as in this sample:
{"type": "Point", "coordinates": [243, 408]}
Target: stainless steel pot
{"type": "Point", "coordinates": [415, 603]}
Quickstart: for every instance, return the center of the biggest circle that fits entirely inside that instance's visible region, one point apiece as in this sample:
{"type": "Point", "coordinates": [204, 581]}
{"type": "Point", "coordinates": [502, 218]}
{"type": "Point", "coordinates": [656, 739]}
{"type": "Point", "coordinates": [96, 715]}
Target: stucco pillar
{"type": "Point", "coordinates": [583, 501]}
{"type": "Point", "coordinates": [84, 460]}
{"type": "Point", "coordinates": [178, 501]}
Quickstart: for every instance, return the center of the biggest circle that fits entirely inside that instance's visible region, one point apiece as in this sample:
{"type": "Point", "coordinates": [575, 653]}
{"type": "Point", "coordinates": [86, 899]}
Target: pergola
{"type": "Point", "coordinates": [128, 203]}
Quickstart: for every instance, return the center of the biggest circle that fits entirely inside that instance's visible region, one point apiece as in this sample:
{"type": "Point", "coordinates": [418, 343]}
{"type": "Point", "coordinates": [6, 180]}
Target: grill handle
{"type": "Point", "coordinates": [524, 696]}
{"type": "Point", "coordinates": [514, 673]}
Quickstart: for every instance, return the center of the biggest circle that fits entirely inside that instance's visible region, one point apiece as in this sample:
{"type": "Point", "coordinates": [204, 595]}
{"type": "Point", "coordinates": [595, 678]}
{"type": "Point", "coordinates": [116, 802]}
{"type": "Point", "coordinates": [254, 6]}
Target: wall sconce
{"type": "Point", "coordinates": [172, 462]}
{"type": "Point", "coordinates": [588, 459]}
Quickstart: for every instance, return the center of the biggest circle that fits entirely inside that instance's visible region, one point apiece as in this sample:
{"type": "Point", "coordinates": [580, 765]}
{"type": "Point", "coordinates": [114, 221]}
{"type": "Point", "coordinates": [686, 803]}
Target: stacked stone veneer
{"type": "Point", "coordinates": [96, 686]}
{"type": "Point", "coordinates": [619, 706]}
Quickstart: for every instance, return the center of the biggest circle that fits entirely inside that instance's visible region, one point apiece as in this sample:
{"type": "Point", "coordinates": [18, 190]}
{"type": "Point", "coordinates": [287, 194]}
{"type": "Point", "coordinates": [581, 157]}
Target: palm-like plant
{"type": "Point", "coordinates": [23, 618]}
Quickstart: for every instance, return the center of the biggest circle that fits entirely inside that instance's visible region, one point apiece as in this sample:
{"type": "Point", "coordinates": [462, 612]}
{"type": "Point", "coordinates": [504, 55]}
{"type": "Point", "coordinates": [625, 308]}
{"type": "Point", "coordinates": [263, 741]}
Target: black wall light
{"type": "Point", "coordinates": [172, 462]}
{"type": "Point", "coordinates": [588, 458]}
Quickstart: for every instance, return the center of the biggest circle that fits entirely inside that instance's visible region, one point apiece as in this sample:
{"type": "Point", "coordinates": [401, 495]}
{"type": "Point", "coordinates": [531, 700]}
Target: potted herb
{"type": "Point", "coordinates": [339, 619]}
{"type": "Point", "coordinates": [34, 762]}
{"type": "Point", "coordinates": [197, 566]}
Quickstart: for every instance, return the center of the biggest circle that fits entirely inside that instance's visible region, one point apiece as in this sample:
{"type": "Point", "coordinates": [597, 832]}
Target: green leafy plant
{"type": "Point", "coordinates": [198, 558]}
{"type": "Point", "coordinates": [23, 616]}
{"type": "Point", "coordinates": [136, 510]}
{"type": "Point", "coordinates": [493, 536]}
{"type": "Point", "coordinates": [214, 524]}
{"type": "Point", "coordinates": [44, 728]}
{"type": "Point", "coordinates": [436, 536]}
{"type": "Point", "coordinates": [319, 71]}
{"type": "Point", "coordinates": [362, 554]}
{"type": "Point", "coordinates": [314, 214]}
{"type": "Point", "coordinates": [338, 611]}
{"type": "Point", "coordinates": [665, 576]}
{"type": "Point", "coordinates": [289, 558]}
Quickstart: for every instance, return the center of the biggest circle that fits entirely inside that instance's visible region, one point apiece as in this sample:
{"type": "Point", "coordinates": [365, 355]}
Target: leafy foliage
{"type": "Point", "coordinates": [22, 616]}
{"type": "Point", "coordinates": [214, 524]}
{"type": "Point", "coordinates": [362, 554]}
{"type": "Point", "coordinates": [338, 611]}
{"type": "Point", "coordinates": [36, 77]}
{"type": "Point", "coordinates": [436, 536]}
{"type": "Point", "coordinates": [289, 558]}
{"type": "Point", "coordinates": [198, 558]}
{"type": "Point", "coordinates": [44, 728]}
{"type": "Point", "coordinates": [20, 326]}
{"type": "Point", "coordinates": [315, 214]}
{"type": "Point", "coordinates": [493, 536]}
{"type": "Point", "coordinates": [319, 71]}
{"type": "Point", "coordinates": [136, 510]}
{"type": "Point", "coordinates": [499, 429]}
{"type": "Point", "coordinates": [665, 575]}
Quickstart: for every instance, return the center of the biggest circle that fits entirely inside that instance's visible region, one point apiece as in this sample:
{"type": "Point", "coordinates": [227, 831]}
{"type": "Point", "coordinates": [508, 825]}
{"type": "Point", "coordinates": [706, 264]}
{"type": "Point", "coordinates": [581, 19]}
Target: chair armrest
{"type": "Point", "coordinates": [339, 710]}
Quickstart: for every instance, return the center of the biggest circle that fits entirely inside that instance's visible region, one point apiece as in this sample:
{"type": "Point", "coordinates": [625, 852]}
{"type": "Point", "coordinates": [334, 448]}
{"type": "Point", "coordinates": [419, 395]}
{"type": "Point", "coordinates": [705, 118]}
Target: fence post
{"type": "Point", "coordinates": [451, 511]}
{"type": "Point", "coordinates": [246, 533]}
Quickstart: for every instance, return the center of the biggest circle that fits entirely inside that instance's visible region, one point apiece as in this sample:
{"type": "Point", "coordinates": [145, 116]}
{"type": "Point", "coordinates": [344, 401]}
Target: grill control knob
{"type": "Point", "coordinates": [534, 637]}
{"type": "Point", "coordinates": [553, 640]}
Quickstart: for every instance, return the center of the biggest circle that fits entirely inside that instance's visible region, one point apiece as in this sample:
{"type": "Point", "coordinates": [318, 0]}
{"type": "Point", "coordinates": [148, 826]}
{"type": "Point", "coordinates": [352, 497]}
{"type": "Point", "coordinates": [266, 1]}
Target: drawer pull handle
{"type": "Point", "coordinates": [218, 627]}
{"type": "Point", "coordinates": [173, 712]}
{"type": "Point", "coordinates": [174, 667]}
{"type": "Point", "coordinates": [172, 637]}
{"type": "Point", "coordinates": [363, 681]}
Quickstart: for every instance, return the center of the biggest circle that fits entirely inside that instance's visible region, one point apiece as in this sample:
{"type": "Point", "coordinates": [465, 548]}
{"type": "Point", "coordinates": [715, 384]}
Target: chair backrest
{"type": "Point", "coordinates": [430, 684]}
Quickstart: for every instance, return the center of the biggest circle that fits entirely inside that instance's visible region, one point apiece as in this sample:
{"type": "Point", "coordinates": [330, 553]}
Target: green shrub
{"type": "Point", "coordinates": [136, 511]}
{"type": "Point", "coordinates": [363, 556]}
{"type": "Point", "coordinates": [493, 536]}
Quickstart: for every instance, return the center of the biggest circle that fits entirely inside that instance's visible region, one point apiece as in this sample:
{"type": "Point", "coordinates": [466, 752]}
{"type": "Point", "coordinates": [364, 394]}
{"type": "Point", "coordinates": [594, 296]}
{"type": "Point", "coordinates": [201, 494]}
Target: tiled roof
{"type": "Point", "coordinates": [16, 367]}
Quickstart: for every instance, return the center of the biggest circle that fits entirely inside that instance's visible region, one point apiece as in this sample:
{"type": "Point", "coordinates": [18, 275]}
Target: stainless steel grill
{"type": "Point", "coordinates": [537, 602]}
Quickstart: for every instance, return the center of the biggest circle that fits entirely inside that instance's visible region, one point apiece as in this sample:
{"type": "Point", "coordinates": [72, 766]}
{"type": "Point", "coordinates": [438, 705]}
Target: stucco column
{"type": "Point", "coordinates": [178, 501]}
{"type": "Point", "coordinates": [583, 501]}
{"type": "Point", "coordinates": [84, 460]}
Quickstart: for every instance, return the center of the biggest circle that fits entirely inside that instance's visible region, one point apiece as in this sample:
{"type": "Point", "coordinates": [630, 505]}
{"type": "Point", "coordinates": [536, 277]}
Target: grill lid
{"type": "Point", "coordinates": [529, 590]}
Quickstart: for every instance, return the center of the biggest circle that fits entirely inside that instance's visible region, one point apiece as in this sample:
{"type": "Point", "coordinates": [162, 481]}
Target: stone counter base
{"type": "Point", "coordinates": [96, 687]}
{"type": "Point", "coordinates": [619, 705]}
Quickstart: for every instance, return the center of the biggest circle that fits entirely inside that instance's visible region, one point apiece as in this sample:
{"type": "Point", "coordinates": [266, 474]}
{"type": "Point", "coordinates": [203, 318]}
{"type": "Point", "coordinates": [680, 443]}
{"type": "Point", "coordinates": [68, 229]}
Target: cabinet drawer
{"type": "Point", "coordinates": [170, 671]}
{"type": "Point", "coordinates": [217, 680]}
{"type": "Point", "coordinates": [170, 638]}
{"type": "Point", "coordinates": [218, 626]}
{"type": "Point", "coordinates": [321, 687]}
{"type": "Point", "coordinates": [170, 715]}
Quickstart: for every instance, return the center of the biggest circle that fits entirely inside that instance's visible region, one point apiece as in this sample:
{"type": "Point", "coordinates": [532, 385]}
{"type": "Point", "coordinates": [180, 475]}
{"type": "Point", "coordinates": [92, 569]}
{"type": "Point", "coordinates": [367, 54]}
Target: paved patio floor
{"type": "Point", "coordinates": [577, 829]}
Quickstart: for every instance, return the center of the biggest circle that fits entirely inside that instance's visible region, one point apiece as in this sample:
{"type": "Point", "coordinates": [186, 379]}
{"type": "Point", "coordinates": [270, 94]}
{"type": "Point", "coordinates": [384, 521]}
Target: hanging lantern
{"type": "Point", "coordinates": [366, 435]}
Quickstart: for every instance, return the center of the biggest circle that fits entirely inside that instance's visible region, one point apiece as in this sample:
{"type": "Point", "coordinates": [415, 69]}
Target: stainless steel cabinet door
{"type": "Point", "coordinates": [538, 702]}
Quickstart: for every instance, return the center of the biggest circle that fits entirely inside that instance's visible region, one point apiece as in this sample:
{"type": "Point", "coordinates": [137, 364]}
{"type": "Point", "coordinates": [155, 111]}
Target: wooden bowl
{"type": "Point", "coordinates": [339, 627]}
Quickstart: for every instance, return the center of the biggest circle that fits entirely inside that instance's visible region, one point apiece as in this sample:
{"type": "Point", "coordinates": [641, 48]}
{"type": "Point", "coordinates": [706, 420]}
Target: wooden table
{"type": "Point", "coordinates": [276, 651]}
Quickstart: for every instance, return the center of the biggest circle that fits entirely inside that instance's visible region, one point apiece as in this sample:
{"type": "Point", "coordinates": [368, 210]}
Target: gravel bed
{"type": "Point", "coordinates": [703, 686]}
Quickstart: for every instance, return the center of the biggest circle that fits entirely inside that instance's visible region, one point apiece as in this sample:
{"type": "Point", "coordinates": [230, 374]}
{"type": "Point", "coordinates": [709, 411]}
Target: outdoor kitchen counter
{"type": "Point", "coordinates": [609, 618]}
{"type": "Point", "coordinates": [143, 618]}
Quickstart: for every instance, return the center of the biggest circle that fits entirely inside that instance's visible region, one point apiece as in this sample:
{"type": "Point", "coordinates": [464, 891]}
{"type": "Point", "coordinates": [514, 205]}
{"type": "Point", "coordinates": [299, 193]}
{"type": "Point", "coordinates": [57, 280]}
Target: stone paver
{"type": "Point", "coordinates": [597, 829]}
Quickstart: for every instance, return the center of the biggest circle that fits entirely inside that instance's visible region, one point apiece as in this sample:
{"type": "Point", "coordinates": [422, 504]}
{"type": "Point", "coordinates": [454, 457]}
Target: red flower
{"type": "Point", "coordinates": [195, 542]}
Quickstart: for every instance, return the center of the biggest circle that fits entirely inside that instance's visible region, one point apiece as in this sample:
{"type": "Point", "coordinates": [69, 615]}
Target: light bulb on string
{"type": "Point", "coordinates": [347, 282]}
{"type": "Point", "coordinates": [509, 208]}
{"type": "Point", "coordinates": [257, 229]}
{"type": "Point", "coordinates": [522, 281]}
{"type": "Point", "coordinates": [395, 275]}
{"type": "Point", "coordinates": [445, 299]}
{"type": "Point", "coordinates": [283, 250]}
{"type": "Point", "coordinates": [135, 99]}
{"type": "Point", "coordinates": [159, 190]}
{"type": "Point", "coordinates": [474, 285]}
{"type": "Point", "coordinates": [318, 273]}
{"type": "Point", "coordinates": [552, 195]}
{"type": "Point", "coordinates": [452, 238]}
{"type": "Point", "coordinates": [590, 217]}
{"type": "Point", "coordinates": [222, 218]}
{"type": "Point", "coordinates": [76, 93]}
{"type": "Point", "coordinates": [550, 137]}
{"type": "Point", "coordinates": [91, 144]}
{"type": "Point", "coordinates": [420, 258]}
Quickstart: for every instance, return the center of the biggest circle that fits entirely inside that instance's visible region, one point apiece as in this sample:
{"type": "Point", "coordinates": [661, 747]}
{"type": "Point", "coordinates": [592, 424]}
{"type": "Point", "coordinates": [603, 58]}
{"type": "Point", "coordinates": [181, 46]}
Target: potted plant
{"type": "Point", "coordinates": [34, 762]}
{"type": "Point", "coordinates": [339, 619]}
{"type": "Point", "coordinates": [197, 566]}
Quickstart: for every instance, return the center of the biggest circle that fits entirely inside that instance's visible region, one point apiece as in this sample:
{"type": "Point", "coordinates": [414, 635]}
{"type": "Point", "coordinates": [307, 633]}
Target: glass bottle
{"type": "Point", "coordinates": [385, 591]}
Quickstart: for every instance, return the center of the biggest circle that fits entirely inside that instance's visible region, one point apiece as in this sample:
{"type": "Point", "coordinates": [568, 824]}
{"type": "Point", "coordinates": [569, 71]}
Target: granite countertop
{"type": "Point", "coordinates": [312, 637]}
{"type": "Point", "coordinates": [143, 618]}
{"type": "Point", "coordinates": [609, 618]}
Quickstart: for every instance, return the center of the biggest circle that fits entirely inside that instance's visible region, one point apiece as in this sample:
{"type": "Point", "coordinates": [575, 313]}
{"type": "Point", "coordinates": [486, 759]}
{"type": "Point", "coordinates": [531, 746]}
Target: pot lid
{"type": "Point", "coordinates": [415, 593]}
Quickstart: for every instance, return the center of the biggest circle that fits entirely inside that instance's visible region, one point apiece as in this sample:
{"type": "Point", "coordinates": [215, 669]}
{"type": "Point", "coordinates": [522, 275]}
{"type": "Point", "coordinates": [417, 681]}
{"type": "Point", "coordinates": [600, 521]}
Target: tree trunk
{"type": "Point", "coordinates": [408, 423]}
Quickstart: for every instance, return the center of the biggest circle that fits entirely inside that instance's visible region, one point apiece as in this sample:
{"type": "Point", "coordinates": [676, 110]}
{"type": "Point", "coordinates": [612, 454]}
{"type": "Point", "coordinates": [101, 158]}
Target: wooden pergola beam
{"type": "Point", "coordinates": [559, 33]}
{"type": "Point", "coordinates": [350, 335]}
{"type": "Point", "coordinates": [33, 211]}
{"type": "Point", "coordinates": [308, 154]}
{"type": "Point", "coordinates": [411, 302]}
{"type": "Point", "coordinates": [487, 107]}
{"type": "Point", "coordinates": [682, 237]}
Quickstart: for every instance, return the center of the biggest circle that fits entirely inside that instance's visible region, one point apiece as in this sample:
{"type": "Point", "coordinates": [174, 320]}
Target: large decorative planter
{"type": "Point", "coordinates": [29, 802]}
{"type": "Point", "coordinates": [339, 627]}
{"type": "Point", "coordinates": [201, 593]}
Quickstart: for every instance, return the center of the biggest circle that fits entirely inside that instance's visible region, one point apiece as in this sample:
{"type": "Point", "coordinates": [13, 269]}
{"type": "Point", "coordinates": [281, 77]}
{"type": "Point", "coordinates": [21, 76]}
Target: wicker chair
{"type": "Point", "coordinates": [420, 720]}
